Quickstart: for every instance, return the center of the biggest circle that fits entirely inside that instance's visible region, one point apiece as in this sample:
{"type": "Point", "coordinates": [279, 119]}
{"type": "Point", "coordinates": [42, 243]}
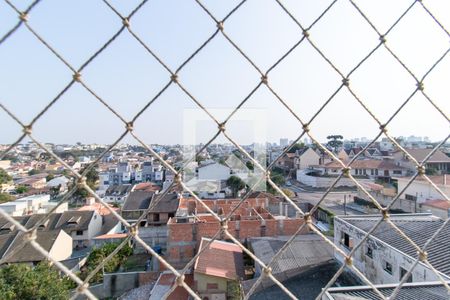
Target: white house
{"type": "Point", "coordinates": [213, 171]}
{"type": "Point", "coordinates": [421, 190]}
{"type": "Point", "coordinates": [385, 256]}
{"type": "Point", "coordinates": [306, 158]}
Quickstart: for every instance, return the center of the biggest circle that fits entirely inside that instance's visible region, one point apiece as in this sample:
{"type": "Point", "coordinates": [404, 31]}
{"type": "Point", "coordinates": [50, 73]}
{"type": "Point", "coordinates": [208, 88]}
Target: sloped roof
{"type": "Point", "coordinates": [418, 227]}
{"type": "Point", "coordinates": [168, 203]}
{"type": "Point", "coordinates": [138, 200]}
{"type": "Point", "coordinates": [118, 190]}
{"type": "Point", "coordinates": [230, 265]}
{"type": "Point", "coordinates": [420, 154]}
{"type": "Point", "coordinates": [422, 290]}
{"type": "Point", "coordinates": [26, 252]}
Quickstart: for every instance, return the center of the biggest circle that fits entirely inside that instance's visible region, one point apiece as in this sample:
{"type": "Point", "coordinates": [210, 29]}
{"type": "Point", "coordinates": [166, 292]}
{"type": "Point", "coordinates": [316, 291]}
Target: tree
{"type": "Point", "coordinates": [4, 197]}
{"type": "Point", "coordinates": [4, 177]}
{"type": "Point", "coordinates": [98, 255]}
{"type": "Point", "coordinates": [335, 141]}
{"type": "Point", "coordinates": [91, 181]}
{"type": "Point", "coordinates": [236, 184]}
{"type": "Point", "coordinates": [21, 189]}
{"type": "Point", "coordinates": [278, 179]}
{"type": "Point", "coordinates": [33, 172]}
{"type": "Point", "coordinates": [249, 165]}
{"type": "Point", "coordinates": [296, 147]}
{"type": "Point", "coordinates": [21, 281]}
{"type": "Point", "coordinates": [49, 177]}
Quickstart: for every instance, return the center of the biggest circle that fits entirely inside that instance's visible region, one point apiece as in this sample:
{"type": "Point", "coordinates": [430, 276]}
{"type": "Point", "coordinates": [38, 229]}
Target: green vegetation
{"type": "Point", "coordinates": [236, 184]}
{"type": "Point", "coordinates": [334, 141]}
{"type": "Point", "coordinates": [49, 177]}
{"type": "Point", "coordinates": [91, 181]}
{"type": "Point", "coordinates": [21, 281]}
{"type": "Point", "coordinates": [98, 255]}
{"type": "Point", "coordinates": [21, 189]}
{"type": "Point", "coordinates": [4, 177]}
{"type": "Point", "coordinates": [4, 197]}
{"type": "Point", "coordinates": [296, 147]}
{"type": "Point", "coordinates": [33, 172]}
{"type": "Point", "coordinates": [278, 179]}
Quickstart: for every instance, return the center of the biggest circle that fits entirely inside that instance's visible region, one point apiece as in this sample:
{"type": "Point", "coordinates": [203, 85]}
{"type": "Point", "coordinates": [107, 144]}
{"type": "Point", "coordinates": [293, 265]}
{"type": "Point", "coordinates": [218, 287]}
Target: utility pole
{"type": "Point", "coordinates": [345, 205]}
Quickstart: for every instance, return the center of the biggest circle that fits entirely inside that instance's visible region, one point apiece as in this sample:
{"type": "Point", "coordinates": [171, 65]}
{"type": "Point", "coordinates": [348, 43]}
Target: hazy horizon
{"type": "Point", "coordinates": [127, 77]}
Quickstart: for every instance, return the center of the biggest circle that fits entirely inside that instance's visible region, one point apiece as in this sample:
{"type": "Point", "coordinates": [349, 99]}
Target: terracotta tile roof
{"type": "Point", "coordinates": [230, 265]}
{"type": "Point", "coordinates": [420, 154]}
{"type": "Point", "coordinates": [441, 204]}
{"type": "Point", "coordinates": [147, 186]}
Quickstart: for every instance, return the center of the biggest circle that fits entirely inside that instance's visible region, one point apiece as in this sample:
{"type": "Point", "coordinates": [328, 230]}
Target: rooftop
{"type": "Point", "coordinates": [230, 265]}
{"type": "Point", "coordinates": [422, 290]}
{"type": "Point", "coordinates": [418, 227]}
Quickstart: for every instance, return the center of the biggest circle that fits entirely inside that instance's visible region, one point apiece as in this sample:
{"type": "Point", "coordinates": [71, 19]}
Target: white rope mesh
{"type": "Point", "coordinates": [173, 79]}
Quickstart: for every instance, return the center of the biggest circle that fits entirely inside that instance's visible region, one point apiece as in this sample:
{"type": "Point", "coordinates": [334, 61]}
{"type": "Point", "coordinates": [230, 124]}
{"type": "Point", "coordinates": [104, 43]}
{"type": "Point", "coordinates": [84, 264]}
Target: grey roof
{"type": "Point", "coordinates": [419, 228]}
{"type": "Point", "coordinates": [138, 200]}
{"type": "Point", "coordinates": [304, 251]}
{"type": "Point", "coordinates": [420, 154]}
{"type": "Point", "coordinates": [118, 190]}
{"type": "Point", "coordinates": [75, 220]}
{"type": "Point", "coordinates": [168, 203]}
{"type": "Point", "coordinates": [26, 253]}
{"type": "Point", "coordinates": [79, 221]}
{"type": "Point", "coordinates": [409, 291]}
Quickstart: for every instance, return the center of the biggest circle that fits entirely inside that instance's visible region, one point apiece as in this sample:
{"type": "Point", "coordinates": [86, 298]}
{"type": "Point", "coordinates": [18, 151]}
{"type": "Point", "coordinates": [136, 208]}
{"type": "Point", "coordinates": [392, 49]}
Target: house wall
{"type": "Point", "coordinates": [422, 189]}
{"type": "Point", "coordinates": [315, 181]}
{"type": "Point", "coordinates": [62, 247]}
{"type": "Point", "coordinates": [373, 267]}
{"type": "Point", "coordinates": [94, 229]}
{"type": "Point", "coordinates": [201, 281]}
{"type": "Point", "coordinates": [310, 157]}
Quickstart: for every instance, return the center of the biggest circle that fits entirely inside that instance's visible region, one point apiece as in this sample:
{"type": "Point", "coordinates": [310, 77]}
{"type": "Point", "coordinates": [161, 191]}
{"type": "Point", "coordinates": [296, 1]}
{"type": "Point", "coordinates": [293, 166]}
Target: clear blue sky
{"type": "Point", "coordinates": [127, 77]}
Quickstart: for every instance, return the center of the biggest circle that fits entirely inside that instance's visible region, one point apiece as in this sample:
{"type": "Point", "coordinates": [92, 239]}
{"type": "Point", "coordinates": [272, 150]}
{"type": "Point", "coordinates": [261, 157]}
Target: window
{"type": "Point", "coordinates": [397, 172]}
{"type": "Point", "coordinates": [371, 171]}
{"type": "Point", "coordinates": [79, 232]}
{"type": "Point", "coordinates": [143, 223]}
{"type": "Point", "coordinates": [376, 171]}
{"type": "Point", "coordinates": [410, 197]}
{"type": "Point", "coordinates": [212, 286]}
{"type": "Point", "coordinates": [346, 240]}
{"type": "Point", "coordinates": [387, 267]}
{"type": "Point", "coordinates": [403, 273]}
{"type": "Point", "coordinates": [369, 252]}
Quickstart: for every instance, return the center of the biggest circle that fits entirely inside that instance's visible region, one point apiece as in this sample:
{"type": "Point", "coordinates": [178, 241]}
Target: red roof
{"type": "Point", "coordinates": [441, 204]}
{"type": "Point", "coordinates": [230, 265]}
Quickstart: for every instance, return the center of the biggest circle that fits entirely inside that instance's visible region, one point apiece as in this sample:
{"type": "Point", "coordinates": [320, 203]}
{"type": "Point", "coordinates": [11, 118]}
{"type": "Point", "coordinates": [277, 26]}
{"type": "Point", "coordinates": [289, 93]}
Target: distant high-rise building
{"type": "Point", "coordinates": [284, 142]}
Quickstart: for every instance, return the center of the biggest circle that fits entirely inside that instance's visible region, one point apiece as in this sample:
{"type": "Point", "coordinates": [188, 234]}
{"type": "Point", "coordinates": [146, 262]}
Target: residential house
{"type": "Point", "coordinates": [56, 242]}
{"type": "Point", "coordinates": [213, 171]}
{"type": "Point", "coordinates": [420, 190]}
{"type": "Point", "coordinates": [422, 290]}
{"type": "Point", "coordinates": [438, 161]}
{"type": "Point", "coordinates": [386, 256]}
{"type": "Point", "coordinates": [370, 168]}
{"type": "Point", "coordinates": [117, 193]}
{"type": "Point", "coordinates": [136, 205]}
{"type": "Point", "coordinates": [82, 226]}
{"type": "Point", "coordinates": [33, 204]}
{"type": "Point", "coordinates": [439, 208]}
{"type": "Point", "coordinates": [213, 277]}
